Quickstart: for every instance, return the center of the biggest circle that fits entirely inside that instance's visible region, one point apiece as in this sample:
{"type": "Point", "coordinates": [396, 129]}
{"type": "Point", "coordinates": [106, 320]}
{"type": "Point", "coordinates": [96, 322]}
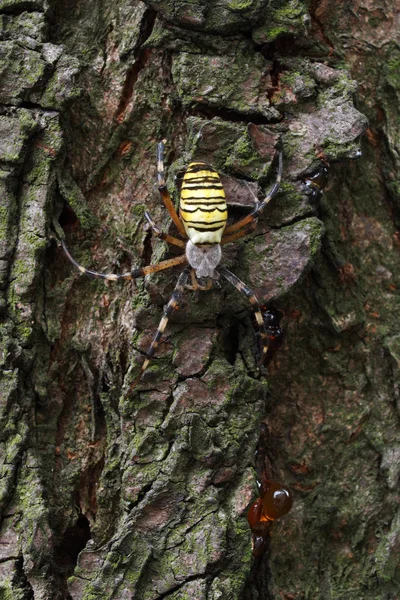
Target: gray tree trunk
{"type": "Point", "coordinates": [108, 492]}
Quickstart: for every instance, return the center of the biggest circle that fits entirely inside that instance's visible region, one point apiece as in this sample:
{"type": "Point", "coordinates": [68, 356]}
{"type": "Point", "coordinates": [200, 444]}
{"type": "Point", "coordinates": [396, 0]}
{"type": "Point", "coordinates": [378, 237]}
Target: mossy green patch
{"type": "Point", "coordinates": [243, 158]}
{"type": "Point", "coordinates": [240, 5]}
{"type": "Point", "coordinates": [8, 590]}
{"type": "Point", "coordinates": [61, 87]}
{"type": "Point", "coordinates": [391, 68]}
{"type": "Point", "coordinates": [230, 82]}
{"type": "Point", "coordinates": [15, 134]}
{"type": "Point", "coordinates": [343, 89]}
{"type": "Point", "coordinates": [335, 151]}
{"type": "Point", "coordinates": [281, 18]}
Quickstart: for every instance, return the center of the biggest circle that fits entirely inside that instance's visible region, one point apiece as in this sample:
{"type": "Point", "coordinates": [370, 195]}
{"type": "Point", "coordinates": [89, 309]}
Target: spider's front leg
{"type": "Point", "coordinates": [246, 221]}
{"type": "Point", "coordinates": [169, 205]}
{"type": "Point", "coordinates": [164, 236]}
{"type": "Point", "coordinates": [134, 274]}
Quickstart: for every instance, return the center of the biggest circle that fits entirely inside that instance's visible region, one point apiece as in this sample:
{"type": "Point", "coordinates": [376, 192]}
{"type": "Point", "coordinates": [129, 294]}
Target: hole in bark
{"type": "Point", "coordinates": [105, 384]}
{"type": "Point", "coordinates": [147, 249]}
{"type": "Point", "coordinates": [274, 74]}
{"type": "Point", "coordinates": [285, 45]}
{"type": "Point", "coordinates": [230, 341]}
{"type": "Point", "coordinates": [100, 419]}
{"type": "Point", "coordinates": [141, 496]}
{"type": "Point", "coordinates": [67, 216]}
{"type": "Point", "coordinates": [18, 8]}
{"type": "Point", "coordinates": [73, 541]}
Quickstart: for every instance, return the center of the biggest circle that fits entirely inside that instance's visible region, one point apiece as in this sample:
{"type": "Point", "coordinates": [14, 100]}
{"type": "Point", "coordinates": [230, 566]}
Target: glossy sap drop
{"type": "Point", "coordinates": [276, 502]}
{"type": "Point", "coordinates": [273, 504]}
{"type": "Point", "coordinates": [254, 514]}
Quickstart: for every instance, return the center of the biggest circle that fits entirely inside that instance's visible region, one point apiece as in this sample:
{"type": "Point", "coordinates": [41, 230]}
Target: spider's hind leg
{"type": "Point", "coordinates": [173, 304]}
{"type": "Point", "coordinates": [250, 295]}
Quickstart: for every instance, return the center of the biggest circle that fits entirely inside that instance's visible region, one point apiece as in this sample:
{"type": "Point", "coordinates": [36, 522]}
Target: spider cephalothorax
{"type": "Point", "coordinates": [203, 258]}
{"type": "Point", "coordinates": [202, 230]}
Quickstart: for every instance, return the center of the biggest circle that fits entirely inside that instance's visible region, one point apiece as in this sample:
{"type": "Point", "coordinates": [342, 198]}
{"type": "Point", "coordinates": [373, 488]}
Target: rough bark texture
{"type": "Point", "coordinates": [106, 493]}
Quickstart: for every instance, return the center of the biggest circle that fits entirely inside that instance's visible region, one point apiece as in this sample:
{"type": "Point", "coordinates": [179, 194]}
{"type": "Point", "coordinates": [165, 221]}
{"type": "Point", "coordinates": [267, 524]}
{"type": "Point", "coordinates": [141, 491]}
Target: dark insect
{"type": "Point", "coordinates": [315, 184]}
{"type": "Point", "coordinates": [274, 334]}
{"type": "Point", "coordinates": [202, 230]}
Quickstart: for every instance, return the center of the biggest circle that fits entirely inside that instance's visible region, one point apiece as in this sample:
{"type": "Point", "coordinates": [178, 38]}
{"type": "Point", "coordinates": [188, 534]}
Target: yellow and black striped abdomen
{"type": "Point", "coordinates": [203, 207]}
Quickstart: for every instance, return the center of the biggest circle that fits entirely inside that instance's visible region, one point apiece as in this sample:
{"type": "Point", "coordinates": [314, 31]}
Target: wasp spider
{"type": "Point", "coordinates": [202, 229]}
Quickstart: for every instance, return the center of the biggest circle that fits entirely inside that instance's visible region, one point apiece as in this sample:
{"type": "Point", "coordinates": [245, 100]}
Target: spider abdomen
{"type": "Point", "coordinates": [203, 208]}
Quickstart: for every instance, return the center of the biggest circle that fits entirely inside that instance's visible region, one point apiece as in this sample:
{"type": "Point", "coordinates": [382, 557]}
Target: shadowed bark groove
{"type": "Point", "coordinates": [107, 494]}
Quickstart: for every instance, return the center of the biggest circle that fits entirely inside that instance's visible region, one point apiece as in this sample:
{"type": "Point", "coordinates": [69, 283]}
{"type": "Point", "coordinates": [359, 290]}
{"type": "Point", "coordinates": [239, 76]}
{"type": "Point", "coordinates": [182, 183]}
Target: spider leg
{"type": "Point", "coordinates": [164, 236]}
{"type": "Point", "coordinates": [196, 286]}
{"type": "Point", "coordinates": [169, 205]}
{"type": "Point", "coordinates": [134, 274]}
{"type": "Point", "coordinates": [173, 304]}
{"type": "Point", "coordinates": [261, 205]}
{"type": "Point", "coordinates": [227, 239]}
{"type": "Point", "coordinates": [246, 291]}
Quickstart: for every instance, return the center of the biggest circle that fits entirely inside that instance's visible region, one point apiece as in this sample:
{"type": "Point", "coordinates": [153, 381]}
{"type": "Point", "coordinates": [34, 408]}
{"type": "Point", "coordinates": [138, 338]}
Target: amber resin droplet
{"type": "Point", "coordinates": [254, 514]}
{"type": "Point", "coordinates": [276, 501]}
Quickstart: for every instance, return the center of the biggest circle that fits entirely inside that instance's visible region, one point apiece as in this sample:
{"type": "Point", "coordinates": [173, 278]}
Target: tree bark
{"type": "Point", "coordinates": [114, 492]}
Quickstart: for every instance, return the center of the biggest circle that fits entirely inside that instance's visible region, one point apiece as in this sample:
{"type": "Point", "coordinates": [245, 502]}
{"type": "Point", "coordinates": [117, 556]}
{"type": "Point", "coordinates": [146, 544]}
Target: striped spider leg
{"type": "Point", "coordinates": [164, 236]}
{"type": "Point", "coordinates": [162, 188]}
{"type": "Point", "coordinates": [242, 288]}
{"type": "Point", "coordinates": [172, 305]}
{"type": "Point", "coordinates": [248, 219]}
{"type": "Point", "coordinates": [130, 275]}
{"type": "Point", "coordinates": [228, 239]}
{"type": "Point", "coordinates": [235, 232]}
{"type": "Point", "coordinates": [135, 274]}
{"type": "Point", "coordinates": [202, 225]}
